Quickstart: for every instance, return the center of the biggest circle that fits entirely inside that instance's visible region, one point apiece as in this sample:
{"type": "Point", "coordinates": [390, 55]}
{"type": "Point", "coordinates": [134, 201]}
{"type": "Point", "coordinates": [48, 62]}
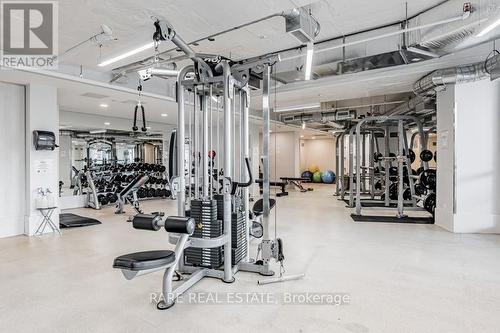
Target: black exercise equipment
{"type": "Point", "coordinates": [426, 155]}
{"type": "Point", "coordinates": [281, 185]}
{"type": "Point", "coordinates": [411, 155]}
{"type": "Point", "coordinates": [430, 203]}
{"type": "Point", "coordinates": [428, 179]}
{"type": "Point", "coordinates": [67, 220]}
{"type": "Point", "coordinates": [392, 219]}
{"type": "Point", "coordinates": [297, 182]}
{"type": "Point", "coordinates": [134, 127]}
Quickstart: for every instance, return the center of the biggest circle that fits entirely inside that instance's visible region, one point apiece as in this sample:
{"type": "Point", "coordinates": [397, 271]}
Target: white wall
{"type": "Point", "coordinates": [41, 114]}
{"type": "Point", "coordinates": [12, 166]}
{"type": "Point", "coordinates": [318, 151]}
{"type": "Point", "coordinates": [446, 159]}
{"type": "Point", "coordinates": [469, 159]}
{"type": "Point", "coordinates": [283, 155]}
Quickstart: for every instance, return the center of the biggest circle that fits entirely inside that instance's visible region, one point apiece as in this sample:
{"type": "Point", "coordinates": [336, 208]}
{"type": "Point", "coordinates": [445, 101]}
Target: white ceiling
{"type": "Point", "coordinates": [121, 101]}
{"type": "Point", "coordinates": [194, 19]}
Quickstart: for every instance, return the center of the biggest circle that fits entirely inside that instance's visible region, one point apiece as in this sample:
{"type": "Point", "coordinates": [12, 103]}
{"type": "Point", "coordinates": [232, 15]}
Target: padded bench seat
{"type": "Point", "coordinates": [145, 260]}
{"type": "Point", "coordinates": [258, 207]}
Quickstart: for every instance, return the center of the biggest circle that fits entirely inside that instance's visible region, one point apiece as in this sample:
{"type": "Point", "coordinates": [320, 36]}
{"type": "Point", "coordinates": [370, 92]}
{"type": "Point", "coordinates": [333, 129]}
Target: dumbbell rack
{"type": "Point", "coordinates": [109, 180]}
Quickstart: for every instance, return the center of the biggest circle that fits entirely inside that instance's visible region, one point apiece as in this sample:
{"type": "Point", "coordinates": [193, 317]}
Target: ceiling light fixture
{"type": "Point", "coordinates": [163, 114]}
{"type": "Point", "coordinates": [99, 131]}
{"type": "Point", "coordinates": [126, 54]}
{"type": "Point", "coordinates": [309, 60]}
{"type": "Point", "coordinates": [103, 105]}
{"type": "Point", "coordinates": [107, 124]}
{"type": "Point", "coordinates": [486, 30]}
{"type": "Point", "coordinates": [303, 125]}
{"type": "Point", "coordinates": [299, 107]}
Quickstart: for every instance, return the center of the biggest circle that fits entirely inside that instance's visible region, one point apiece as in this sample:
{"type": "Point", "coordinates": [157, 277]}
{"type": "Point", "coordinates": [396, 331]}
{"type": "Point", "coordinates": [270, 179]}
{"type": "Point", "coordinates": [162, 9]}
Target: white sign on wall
{"type": "Point", "coordinates": [43, 167]}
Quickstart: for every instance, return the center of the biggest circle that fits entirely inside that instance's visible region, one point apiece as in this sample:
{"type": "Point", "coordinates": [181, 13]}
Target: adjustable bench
{"type": "Point", "coordinates": [132, 188]}
{"type": "Point", "coordinates": [281, 185]}
{"type": "Point", "coordinates": [140, 263]}
{"type": "Point", "coordinates": [297, 182]}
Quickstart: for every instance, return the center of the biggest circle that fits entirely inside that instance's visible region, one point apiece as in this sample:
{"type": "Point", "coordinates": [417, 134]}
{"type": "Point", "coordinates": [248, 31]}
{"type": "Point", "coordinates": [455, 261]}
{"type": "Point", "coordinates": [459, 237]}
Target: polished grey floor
{"type": "Point", "coordinates": [400, 278]}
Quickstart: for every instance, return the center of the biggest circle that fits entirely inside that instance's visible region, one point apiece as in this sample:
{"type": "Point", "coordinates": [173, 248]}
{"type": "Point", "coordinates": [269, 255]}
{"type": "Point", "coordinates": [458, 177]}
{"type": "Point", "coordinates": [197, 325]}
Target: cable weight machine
{"type": "Point", "coordinates": [208, 243]}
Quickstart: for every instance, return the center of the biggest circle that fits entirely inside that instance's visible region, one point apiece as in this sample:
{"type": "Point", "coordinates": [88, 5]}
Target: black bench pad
{"type": "Point", "coordinates": [258, 207]}
{"type": "Point", "coordinates": [140, 261]}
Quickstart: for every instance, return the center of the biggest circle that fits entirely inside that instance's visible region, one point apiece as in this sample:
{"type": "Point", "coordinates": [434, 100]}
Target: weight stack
{"type": "Point", "coordinates": [220, 206]}
{"type": "Point", "coordinates": [238, 237]}
{"type": "Point", "coordinates": [204, 212]}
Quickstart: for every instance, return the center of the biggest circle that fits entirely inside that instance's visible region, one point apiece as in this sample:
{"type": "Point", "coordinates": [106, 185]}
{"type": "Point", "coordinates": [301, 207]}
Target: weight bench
{"type": "Point", "coordinates": [129, 194]}
{"type": "Point", "coordinates": [297, 182]}
{"type": "Point", "coordinates": [281, 185]}
{"type": "Point", "coordinates": [141, 263]}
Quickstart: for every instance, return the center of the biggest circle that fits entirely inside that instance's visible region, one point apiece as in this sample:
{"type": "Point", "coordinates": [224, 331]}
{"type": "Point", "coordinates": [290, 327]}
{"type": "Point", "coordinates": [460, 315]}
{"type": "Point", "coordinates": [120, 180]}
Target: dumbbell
{"type": "Point", "coordinates": [110, 197]}
{"type": "Point", "coordinates": [141, 193]}
{"type": "Point", "coordinates": [104, 200]}
{"type": "Point", "coordinates": [151, 192]}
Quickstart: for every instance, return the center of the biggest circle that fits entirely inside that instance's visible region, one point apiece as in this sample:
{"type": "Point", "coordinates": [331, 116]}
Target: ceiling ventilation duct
{"type": "Point", "coordinates": [302, 25]}
{"type": "Point", "coordinates": [438, 80]}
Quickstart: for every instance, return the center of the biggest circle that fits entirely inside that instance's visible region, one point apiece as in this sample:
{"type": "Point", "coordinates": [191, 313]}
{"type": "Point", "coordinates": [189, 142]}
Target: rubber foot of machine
{"type": "Point", "coordinates": [268, 273]}
{"type": "Point", "coordinates": [162, 305]}
{"type": "Point", "coordinates": [228, 281]}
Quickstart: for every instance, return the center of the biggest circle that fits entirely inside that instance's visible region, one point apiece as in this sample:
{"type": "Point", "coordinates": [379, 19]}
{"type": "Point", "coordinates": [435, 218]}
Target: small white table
{"type": "Point", "coordinates": [47, 220]}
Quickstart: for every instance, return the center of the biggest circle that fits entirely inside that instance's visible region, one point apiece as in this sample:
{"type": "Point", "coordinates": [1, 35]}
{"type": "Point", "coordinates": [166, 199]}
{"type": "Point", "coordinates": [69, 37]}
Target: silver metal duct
{"type": "Point", "coordinates": [439, 79]}
{"type": "Point", "coordinates": [418, 104]}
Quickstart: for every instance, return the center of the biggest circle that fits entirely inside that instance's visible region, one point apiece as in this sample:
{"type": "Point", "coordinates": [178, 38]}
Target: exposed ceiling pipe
{"type": "Point", "coordinates": [418, 102]}
{"type": "Point", "coordinates": [286, 14]}
{"type": "Point", "coordinates": [439, 79]}
{"type": "Point", "coordinates": [463, 16]}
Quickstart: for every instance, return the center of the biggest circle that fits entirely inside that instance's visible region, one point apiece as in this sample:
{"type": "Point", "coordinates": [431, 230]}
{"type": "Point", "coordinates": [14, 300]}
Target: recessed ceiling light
{"type": "Point", "coordinates": [313, 137]}
{"type": "Point", "coordinates": [103, 105]}
{"type": "Point", "coordinates": [107, 123]}
{"type": "Point", "coordinates": [148, 127]}
{"type": "Point", "coordinates": [301, 136]}
{"type": "Point", "coordinates": [163, 114]}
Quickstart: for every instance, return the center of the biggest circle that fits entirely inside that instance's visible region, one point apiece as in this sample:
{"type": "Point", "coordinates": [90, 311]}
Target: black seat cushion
{"type": "Point", "coordinates": [139, 261]}
{"type": "Point", "coordinates": [258, 207]}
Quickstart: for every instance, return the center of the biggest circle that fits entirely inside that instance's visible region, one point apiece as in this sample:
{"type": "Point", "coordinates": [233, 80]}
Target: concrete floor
{"type": "Point", "coordinates": [400, 278]}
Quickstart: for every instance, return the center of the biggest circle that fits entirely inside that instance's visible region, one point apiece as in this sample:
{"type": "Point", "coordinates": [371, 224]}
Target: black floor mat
{"type": "Point", "coordinates": [71, 221]}
{"type": "Point", "coordinates": [377, 204]}
{"type": "Point", "coordinates": [392, 219]}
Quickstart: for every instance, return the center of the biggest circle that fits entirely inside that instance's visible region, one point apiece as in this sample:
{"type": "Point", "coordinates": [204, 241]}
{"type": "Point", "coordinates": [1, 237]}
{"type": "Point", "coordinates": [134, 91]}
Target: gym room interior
{"type": "Point", "coordinates": [250, 166]}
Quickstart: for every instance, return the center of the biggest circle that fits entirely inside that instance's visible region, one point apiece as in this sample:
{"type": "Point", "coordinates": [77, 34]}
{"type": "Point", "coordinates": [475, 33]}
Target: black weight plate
{"type": "Point", "coordinates": [426, 155]}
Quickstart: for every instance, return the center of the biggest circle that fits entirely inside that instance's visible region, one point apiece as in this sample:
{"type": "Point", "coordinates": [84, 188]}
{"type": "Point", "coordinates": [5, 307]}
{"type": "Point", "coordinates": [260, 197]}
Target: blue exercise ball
{"type": "Point", "coordinates": [307, 174]}
{"type": "Point", "coordinates": [328, 177]}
